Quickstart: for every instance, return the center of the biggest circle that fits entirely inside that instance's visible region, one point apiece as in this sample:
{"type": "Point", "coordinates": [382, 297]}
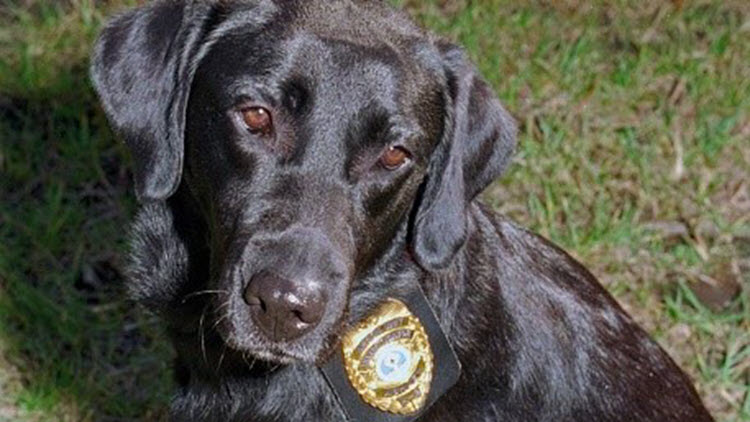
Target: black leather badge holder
{"type": "Point", "coordinates": [394, 364]}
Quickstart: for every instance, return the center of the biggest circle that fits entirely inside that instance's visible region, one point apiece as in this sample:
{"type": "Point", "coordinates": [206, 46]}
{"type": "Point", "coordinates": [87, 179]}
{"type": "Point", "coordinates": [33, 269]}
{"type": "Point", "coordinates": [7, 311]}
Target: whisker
{"type": "Point", "coordinates": [202, 334]}
{"type": "Point", "coordinates": [202, 292]}
{"type": "Point", "coordinates": [219, 321]}
{"type": "Point", "coordinates": [221, 359]}
{"type": "Point", "coordinates": [222, 316]}
{"type": "Point", "coordinates": [250, 365]}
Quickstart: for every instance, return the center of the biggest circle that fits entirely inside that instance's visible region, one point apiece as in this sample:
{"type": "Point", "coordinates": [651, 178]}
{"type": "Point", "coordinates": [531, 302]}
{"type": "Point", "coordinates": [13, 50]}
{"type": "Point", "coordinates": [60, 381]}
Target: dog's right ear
{"type": "Point", "coordinates": [141, 69]}
{"type": "Point", "coordinates": [477, 145]}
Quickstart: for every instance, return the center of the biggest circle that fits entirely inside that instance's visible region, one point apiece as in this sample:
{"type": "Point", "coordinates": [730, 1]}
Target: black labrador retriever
{"type": "Point", "coordinates": [297, 159]}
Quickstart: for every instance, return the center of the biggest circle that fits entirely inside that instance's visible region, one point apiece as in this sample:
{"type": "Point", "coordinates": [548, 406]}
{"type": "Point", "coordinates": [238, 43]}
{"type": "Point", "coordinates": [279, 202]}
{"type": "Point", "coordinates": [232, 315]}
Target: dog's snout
{"type": "Point", "coordinates": [284, 309]}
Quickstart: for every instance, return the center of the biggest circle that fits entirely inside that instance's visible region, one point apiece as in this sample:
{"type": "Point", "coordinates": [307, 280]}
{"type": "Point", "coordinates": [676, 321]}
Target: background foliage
{"type": "Point", "coordinates": [634, 155]}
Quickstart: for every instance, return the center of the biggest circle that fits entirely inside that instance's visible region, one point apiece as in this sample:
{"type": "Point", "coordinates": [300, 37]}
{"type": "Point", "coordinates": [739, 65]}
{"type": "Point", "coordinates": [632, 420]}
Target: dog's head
{"type": "Point", "coordinates": [317, 137]}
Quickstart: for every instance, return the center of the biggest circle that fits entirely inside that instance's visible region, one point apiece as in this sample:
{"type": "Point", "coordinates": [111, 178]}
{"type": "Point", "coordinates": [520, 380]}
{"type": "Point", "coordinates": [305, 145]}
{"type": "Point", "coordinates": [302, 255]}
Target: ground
{"type": "Point", "coordinates": [634, 156]}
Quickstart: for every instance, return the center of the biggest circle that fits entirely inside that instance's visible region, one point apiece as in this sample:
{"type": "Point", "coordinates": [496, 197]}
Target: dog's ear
{"type": "Point", "coordinates": [478, 142]}
{"type": "Point", "coordinates": [141, 70]}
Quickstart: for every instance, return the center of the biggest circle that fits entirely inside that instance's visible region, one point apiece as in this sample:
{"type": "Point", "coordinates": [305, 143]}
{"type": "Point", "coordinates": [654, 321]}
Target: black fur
{"type": "Point", "coordinates": [539, 339]}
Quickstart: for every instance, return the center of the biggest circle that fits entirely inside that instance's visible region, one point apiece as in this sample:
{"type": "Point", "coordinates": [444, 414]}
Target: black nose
{"type": "Point", "coordinates": [282, 308]}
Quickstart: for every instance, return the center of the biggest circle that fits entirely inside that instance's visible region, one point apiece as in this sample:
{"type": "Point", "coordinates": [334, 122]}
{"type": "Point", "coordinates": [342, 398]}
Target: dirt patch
{"type": "Point", "coordinates": [9, 383]}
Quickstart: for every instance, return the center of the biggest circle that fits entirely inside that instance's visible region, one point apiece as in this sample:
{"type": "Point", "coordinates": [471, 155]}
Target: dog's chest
{"type": "Point", "coordinates": [293, 394]}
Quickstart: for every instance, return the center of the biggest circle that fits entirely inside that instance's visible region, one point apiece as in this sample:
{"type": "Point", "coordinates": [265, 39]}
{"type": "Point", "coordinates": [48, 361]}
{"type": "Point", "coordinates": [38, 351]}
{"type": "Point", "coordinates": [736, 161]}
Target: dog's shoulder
{"type": "Point", "coordinates": [588, 352]}
{"type": "Point", "coordinates": [520, 249]}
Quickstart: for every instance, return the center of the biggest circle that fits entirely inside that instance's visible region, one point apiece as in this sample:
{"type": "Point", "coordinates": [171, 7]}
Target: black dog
{"type": "Point", "coordinates": [298, 159]}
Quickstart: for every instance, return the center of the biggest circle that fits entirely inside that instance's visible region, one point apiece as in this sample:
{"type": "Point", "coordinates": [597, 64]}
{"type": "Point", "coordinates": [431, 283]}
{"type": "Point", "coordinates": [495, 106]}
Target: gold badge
{"type": "Point", "coordinates": [388, 359]}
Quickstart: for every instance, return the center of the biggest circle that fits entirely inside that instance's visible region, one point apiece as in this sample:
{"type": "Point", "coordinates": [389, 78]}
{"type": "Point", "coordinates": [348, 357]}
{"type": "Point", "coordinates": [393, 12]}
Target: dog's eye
{"type": "Point", "coordinates": [258, 120]}
{"type": "Point", "coordinates": [394, 157]}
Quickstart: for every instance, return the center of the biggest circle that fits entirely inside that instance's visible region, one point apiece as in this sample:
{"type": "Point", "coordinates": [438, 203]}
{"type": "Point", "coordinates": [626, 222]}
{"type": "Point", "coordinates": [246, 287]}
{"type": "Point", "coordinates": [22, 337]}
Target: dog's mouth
{"type": "Point", "coordinates": [239, 334]}
{"type": "Point", "coordinates": [270, 354]}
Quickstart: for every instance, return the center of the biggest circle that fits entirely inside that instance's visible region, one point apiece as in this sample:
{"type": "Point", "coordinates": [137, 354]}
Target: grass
{"type": "Point", "coordinates": [634, 155]}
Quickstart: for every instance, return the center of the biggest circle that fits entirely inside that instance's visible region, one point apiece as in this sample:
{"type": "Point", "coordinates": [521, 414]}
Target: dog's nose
{"type": "Point", "coordinates": [282, 308]}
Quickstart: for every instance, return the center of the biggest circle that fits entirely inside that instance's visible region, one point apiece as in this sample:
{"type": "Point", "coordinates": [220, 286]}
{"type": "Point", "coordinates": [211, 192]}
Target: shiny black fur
{"type": "Point", "coordinates": [539, 339]}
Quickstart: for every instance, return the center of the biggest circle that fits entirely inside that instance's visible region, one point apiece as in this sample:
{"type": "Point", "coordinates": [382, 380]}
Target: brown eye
{"type": "Point", "coordinates": [394, 157]}
{"type": "Point", "coordinates": [257, 119]}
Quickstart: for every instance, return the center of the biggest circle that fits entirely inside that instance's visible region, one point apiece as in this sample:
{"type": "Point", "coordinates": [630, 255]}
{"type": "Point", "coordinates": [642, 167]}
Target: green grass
{"type": "Point", "coordinates": [632, 113]}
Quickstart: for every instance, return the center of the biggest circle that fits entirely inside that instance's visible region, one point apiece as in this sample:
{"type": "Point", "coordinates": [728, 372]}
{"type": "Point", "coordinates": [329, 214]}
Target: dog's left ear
{"type": "Point", "coordinates": [142, 71]}
{"type": "Point", "coordinates": [478, 142]}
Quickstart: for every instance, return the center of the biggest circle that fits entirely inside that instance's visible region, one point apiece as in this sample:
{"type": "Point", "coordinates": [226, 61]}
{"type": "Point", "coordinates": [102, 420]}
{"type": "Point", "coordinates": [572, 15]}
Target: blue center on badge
{"type": "Point", "coordinates": [393, 364]}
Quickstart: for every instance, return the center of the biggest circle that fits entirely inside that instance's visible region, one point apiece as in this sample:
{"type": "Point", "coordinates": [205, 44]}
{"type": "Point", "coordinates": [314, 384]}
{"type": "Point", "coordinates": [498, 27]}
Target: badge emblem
{"type": "Point", "coordinates": [388, 359]}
